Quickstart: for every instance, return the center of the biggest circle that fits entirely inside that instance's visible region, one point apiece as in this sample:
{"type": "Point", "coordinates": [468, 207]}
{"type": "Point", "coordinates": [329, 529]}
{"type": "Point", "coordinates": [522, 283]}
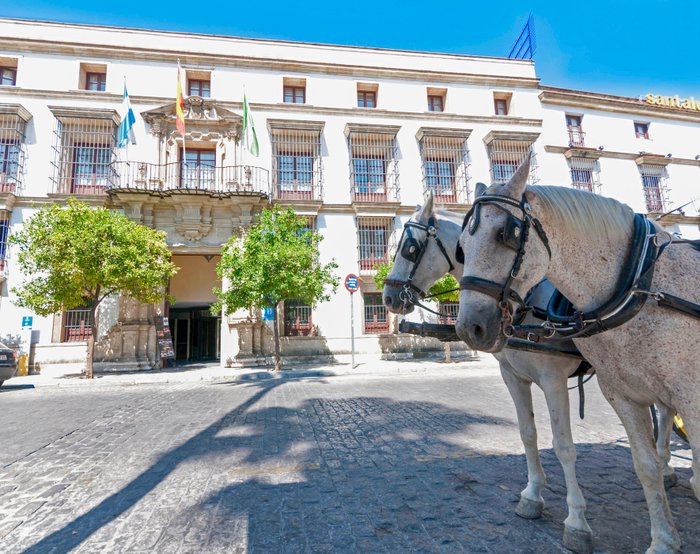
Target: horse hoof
{"type": "Point", "coordinates": [670, 480]}
{"type": "Point", "coordinates": [578, 540]}
{"type": "Point", "coordinates": [529, 509]}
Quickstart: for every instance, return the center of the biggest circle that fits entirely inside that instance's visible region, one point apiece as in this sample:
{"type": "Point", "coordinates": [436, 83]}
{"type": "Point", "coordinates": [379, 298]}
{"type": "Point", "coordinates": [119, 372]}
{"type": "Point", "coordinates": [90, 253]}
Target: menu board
{"type": "Point", "coordinates": [164, 339]}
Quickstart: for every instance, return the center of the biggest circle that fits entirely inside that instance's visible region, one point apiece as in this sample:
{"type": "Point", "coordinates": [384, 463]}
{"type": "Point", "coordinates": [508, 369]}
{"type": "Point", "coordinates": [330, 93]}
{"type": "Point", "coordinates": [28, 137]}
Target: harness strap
{"type": "Point", "coordinates": [489, 288]}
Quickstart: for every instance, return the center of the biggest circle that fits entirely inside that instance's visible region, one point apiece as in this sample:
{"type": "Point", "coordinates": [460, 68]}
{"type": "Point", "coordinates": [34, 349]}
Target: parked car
{"type": "Point", "coordinates": [8, 363]}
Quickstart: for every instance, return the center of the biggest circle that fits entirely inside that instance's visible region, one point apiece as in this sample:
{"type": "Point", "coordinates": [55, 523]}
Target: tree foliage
{"type": "Point", "coordinates": [444, 286]}
{"type": "Point", "coordinates": [276, 260]}
{"type": "Point", "coordinates": [75, 256]}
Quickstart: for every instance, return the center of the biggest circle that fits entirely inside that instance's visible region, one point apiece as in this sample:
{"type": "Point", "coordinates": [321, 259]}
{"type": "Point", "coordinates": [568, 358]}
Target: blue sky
{"type": "Point", "coordinates": [626, 48]}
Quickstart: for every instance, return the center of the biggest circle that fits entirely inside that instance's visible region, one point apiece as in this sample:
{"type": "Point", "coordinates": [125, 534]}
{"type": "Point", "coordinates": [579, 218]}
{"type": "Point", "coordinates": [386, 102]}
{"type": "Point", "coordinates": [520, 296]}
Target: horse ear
{"type": "Point", "coordinates": [518, 181]}
{"type": "Point", "coordinates": [479, 189]}
{"type": "Point", "coordinates": [428, 207]}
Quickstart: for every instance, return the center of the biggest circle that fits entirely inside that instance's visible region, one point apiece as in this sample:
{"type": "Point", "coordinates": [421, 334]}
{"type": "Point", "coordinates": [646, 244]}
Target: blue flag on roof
{"type": "Point", "coordinates": [126, 128]}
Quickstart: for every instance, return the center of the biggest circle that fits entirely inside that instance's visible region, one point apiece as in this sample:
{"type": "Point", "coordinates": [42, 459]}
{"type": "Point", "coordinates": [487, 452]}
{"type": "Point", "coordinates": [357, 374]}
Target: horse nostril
{"type": "Point", "coordinates": [389, 301]}
{"type": "Point", "coordinates": [478, 332]}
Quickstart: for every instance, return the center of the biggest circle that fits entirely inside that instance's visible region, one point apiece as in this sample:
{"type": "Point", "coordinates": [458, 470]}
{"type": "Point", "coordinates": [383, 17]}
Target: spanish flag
{"type": "Point", "coordinates": [179, 105]}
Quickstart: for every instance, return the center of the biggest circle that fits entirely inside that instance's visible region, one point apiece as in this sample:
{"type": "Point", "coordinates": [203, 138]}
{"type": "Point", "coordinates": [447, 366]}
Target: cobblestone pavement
{"type": "Point", "coordinates": [402, 463]}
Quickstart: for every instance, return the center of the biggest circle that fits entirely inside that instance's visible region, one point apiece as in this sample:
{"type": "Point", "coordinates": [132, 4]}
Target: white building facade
{"type": "Point", "coordinates": [350, 137]}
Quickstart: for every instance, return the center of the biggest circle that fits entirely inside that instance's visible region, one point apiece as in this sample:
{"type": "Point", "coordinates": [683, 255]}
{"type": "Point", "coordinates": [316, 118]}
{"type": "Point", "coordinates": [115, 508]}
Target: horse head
{"type": "Point", "coordinates": [425, 253]}
{"type": "Point", "coordinates": [497, 274]}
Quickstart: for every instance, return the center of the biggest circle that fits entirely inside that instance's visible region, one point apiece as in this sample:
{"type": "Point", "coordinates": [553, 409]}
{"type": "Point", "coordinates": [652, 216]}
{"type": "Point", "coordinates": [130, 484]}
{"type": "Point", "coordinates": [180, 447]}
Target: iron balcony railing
{"type": "Point", "coordinates": [192, 177]}
{"type": "Point", "coordinates": [576, 137]}
{"type": "Point", "coordinates": [654, 197]}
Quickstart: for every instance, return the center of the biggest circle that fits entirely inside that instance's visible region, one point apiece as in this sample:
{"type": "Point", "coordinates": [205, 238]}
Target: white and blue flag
{"type": "Point", "coordinates": [126, 128]}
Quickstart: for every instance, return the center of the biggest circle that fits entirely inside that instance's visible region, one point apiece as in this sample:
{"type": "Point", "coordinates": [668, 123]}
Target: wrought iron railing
{"type": "Point", "coordinates": [148, 177]}
{"type": "Point", "coordinates": [654, 197]}
{"type": "Point", "coordinates": [449, 312]}
{"type": "Point", "coordinates": [576, 137]}
{"type": "Point", "coordinates": [297, 319]}
{"type": "Point", "coordinates": [376, 320]}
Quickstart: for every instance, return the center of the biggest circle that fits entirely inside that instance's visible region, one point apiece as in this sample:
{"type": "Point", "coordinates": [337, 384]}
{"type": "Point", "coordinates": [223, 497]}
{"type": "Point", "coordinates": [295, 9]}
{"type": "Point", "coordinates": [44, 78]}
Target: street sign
{"type": "Point", "coordinates": [268, 313]}
{"type": "Point", "coordinates": [352, 283]}
{"type": "Point", "coordinates": [27, 321]}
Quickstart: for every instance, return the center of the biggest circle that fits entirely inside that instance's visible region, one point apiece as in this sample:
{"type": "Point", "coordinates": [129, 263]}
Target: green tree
{"type": "Point", "coordinates": [276, 260]}
{"type": "Point", "coordinates": [444, 287]}
{"type": "Point", "coordinates": [76, 256]}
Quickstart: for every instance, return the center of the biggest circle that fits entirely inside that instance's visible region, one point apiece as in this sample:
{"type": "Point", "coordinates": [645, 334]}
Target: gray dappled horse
{"type": "Point", "coordinates": [519, 370]}
{"type": "Point", "coordinates": [625, 277]}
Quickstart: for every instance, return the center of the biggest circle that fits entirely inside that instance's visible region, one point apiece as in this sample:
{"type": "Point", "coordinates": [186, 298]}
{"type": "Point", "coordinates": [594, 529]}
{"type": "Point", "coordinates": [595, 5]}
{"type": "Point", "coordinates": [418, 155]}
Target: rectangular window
{"type": "Point", "coordinates": [375, 320]}
{"type": "Point", "coordinates": [655, 188]}
{"type": "Point", "coordinates": [373, 167]}
{"type": "Point", "coordinates": [296, 161]}
{"type": "Point", "coordinates": [199, 87]}
{"type": "Point", "coordinates": [95, 81]}
{"type": "Point", "coordinates": [83, 153]}
{"type": "Point", "coordinates": [435, 103]}
{"type": "Point", "coordinates": [198, 170]}
{"type": "Point", "coordinates": [294, 94]}
{"type": "Point", "coordinates": [501, 106]}
{"type": "Point", "coordinates": [373, 240]}
{"type": "Point", "coordinates": [573, 125]}
{"type": "Point", "coordinates": [8, 76]}
{"type": "Point", "coordinates": [641, 130]}
{"type": "Point", "coordinates": [297, 319]}
{"type": "Point", "coordinates": [366, 99]}
{"type": "Point", "coordinates": [76, 325]}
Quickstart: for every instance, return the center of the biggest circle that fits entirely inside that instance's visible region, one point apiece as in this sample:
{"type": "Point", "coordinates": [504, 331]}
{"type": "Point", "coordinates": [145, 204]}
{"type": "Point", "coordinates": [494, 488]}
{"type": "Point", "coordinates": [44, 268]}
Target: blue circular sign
{"type": "Point", "coordinates": [352, 282]}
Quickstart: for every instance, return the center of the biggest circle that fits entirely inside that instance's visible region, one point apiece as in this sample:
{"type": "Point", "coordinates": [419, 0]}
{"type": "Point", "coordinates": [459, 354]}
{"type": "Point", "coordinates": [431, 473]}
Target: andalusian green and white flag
{"type": "Point", "coordinates": [250, 139]}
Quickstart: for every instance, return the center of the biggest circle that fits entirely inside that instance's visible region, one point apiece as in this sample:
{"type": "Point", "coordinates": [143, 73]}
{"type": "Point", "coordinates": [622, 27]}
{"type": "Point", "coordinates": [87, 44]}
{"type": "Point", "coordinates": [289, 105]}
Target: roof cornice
{"type": "Point", "coordinates": [307, 67]}
{"type": "Point", "coordinates": [611, 103]}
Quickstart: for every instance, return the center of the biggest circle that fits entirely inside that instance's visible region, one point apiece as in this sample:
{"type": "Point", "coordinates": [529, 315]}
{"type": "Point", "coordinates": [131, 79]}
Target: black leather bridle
{"type": "Point", "coordinates": [413, 250]}
{"type": "Point", "coordinates": [514, 235]}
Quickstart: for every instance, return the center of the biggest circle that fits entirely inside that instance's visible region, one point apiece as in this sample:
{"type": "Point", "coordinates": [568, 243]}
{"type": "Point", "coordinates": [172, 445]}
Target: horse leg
{"type": "Point", "coordinates": [648, 466]}
{"type": "Point", "coordinates": [693, 432]}
{"type": "Point", "coordinates": [577, 534]}
{"type": "Point", "coordinates": [531, 502]}
{"type": "Point", "coordinates": [663, 442]}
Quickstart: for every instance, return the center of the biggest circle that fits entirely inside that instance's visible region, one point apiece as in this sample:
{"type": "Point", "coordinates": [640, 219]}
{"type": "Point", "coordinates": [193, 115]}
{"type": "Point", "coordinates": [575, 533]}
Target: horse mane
{"type": "Point", "coordinates": [442, 213]}
{"type": "Point", "coordinates": [585, 212]}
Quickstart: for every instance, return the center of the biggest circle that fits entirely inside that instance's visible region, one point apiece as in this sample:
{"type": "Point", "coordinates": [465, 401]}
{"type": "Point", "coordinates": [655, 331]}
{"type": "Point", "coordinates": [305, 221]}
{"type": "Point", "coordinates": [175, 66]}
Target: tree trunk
{"type": "Point", "coordinates": [89, 373]}
{"type": "Point", "coordinates": [276, 335]}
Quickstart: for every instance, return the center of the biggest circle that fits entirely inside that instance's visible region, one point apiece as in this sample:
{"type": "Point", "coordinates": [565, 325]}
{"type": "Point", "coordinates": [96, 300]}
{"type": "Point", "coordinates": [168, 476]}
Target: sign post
{"type": "Point", "coordinates": [352, 284]}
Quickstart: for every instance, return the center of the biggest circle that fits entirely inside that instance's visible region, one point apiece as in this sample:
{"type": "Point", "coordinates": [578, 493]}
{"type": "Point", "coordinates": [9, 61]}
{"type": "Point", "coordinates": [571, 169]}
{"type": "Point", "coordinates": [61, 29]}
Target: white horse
{"type": "Point", "coordinates": [519, 370]}
{"type": "Point", "coordinates": [580, 242]}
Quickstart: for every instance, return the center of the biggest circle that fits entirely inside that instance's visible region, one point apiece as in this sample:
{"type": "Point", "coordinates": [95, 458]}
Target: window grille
{"type": "Point", "coordinates": [84, 149]}
{"type": "Point", "coordinates": [435, 103]}
{"type": "Point", "coordinates": [297, 319]}
{"type": "Point", "coordinates": [76, 325]}
{"type": "Point", "coordinates": [4, 235]}
{"type": "Point", "coordinates": [445, 167]}
{"type": "Point", "coordinates": [374, 168]}
{"type": "Point", "coordinates": [655, 185]}
{"type": "Point", "coordinates": [448, 312]}
{"type": "Point", "coordinates": [585, 174]}
{"type": "Point", "coordinates": [505, 156]}
{"type": "Point", "coordinates": [374, 236]}
{"type": "Point", "coordinates": [297, 170]}
{"type": "Point", "coordinates": [11, 152]}
{"type": "Point", "coordinates": [376, 320]}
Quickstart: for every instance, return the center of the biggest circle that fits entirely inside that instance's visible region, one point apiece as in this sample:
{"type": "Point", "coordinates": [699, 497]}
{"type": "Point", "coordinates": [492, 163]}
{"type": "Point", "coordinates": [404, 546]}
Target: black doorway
{"type": "Point", "coordinates": [196, 334]}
